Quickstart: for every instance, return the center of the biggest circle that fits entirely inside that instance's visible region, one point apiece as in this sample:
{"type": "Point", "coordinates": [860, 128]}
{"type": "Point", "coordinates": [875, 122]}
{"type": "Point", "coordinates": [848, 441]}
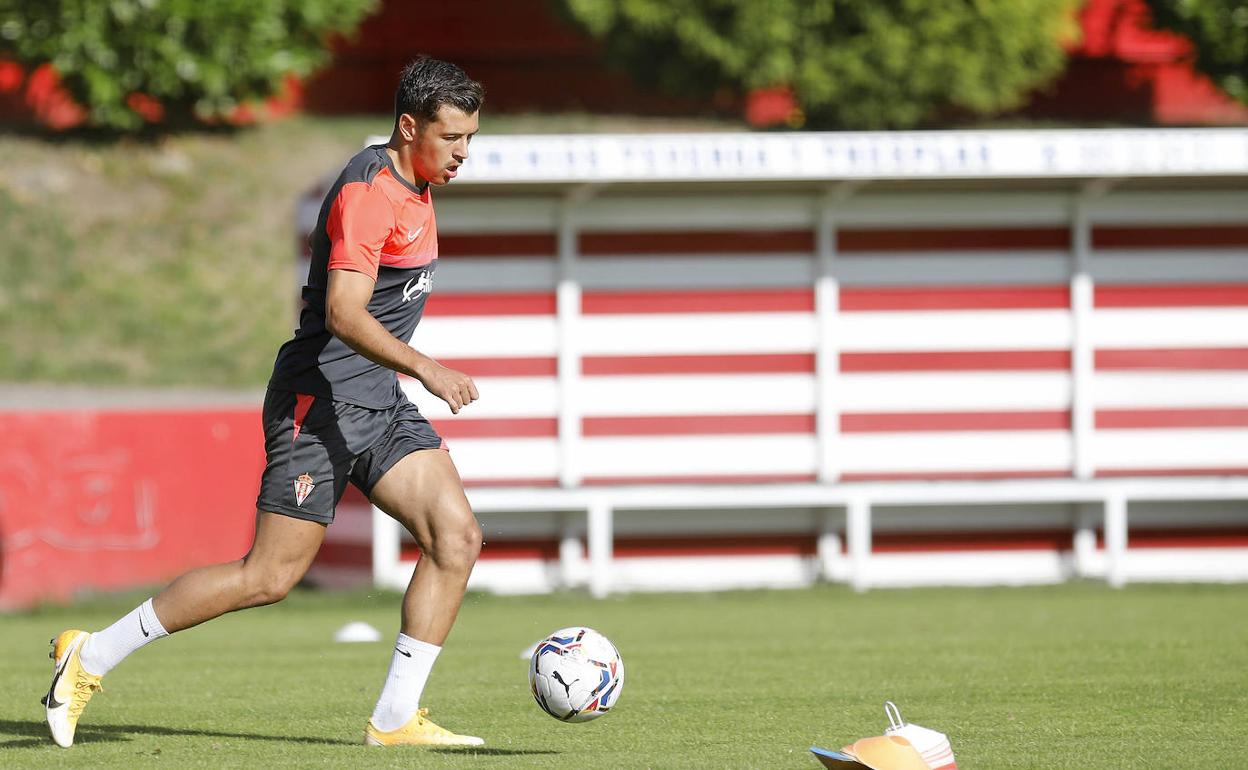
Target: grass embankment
{"type": "Point", "coordinates": [1074, 677]}
{"type": "Point", "coordinates": [170, 261]}
{"type": "Point", "coordinates": [155, 262]}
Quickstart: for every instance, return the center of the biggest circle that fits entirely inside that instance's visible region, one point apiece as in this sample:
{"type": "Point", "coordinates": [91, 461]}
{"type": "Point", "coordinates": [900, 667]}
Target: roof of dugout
{"type": "Point", "coordinates": [1028, 159]}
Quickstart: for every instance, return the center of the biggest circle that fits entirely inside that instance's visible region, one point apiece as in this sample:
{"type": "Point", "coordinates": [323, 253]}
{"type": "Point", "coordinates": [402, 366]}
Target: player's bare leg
{"type": "Point", "coordinates": [281, 553]}
{"type": "Point", "coordinates": [283, 550]}
{"type": "Point", "coordinates": [423, 492]}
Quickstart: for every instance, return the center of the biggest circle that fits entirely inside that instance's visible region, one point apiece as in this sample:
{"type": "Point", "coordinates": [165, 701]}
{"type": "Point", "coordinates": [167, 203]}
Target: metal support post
{"type": "Point", "coordinates": [858, 532]}
{"type": "Point", "coordinates": [571, 554]}
{"type": "Point", "coordinates": [1116, 538]}
{"type": "Point", "coordinates": [601, 540]}
{"type": "Point", "coordinates": [385, 550]}
{"type": "Point", "coordinates": [828, 548]}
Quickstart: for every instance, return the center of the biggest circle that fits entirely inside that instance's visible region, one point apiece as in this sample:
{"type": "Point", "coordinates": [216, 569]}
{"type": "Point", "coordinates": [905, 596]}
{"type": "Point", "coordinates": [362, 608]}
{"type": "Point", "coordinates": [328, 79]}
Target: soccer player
{"type": "Point", "coordinates": [334, 413]}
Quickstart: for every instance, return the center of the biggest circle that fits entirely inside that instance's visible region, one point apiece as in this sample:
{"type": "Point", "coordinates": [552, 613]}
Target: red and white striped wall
{"type": "Point", "coordinates": [838, 338]}
{"type": "Point", "coordinates": [929, 379]}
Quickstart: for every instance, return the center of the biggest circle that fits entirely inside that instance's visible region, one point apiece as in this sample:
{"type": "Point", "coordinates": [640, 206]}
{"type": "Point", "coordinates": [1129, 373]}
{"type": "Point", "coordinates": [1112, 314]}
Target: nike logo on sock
{"type": "Point", "coordinates": [403, 652]}
{"type": "Point", "coordinates": [141, 628]}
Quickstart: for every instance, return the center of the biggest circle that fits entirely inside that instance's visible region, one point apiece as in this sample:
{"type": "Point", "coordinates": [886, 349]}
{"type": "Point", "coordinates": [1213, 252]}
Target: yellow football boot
{"type": "Point", "coordinates": [418, 732]}
{"type": "Point", "coordinates": [72, 686]}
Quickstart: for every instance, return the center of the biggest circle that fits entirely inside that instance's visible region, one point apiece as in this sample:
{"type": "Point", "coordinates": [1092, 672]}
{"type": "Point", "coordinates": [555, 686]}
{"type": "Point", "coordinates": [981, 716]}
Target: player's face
{"type": "Point", "coordinates": [442, 147]}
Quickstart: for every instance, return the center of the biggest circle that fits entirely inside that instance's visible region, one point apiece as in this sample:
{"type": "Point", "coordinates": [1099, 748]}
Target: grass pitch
{"type": "Point", "coordinates": [1077, 676]}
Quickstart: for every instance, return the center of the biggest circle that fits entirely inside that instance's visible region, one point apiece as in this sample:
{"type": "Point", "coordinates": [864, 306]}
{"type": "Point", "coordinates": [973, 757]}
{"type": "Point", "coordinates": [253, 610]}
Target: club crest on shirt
{"type": "Point", "coordinates": [421, 285]}
{"type": "Point", "coordinates": [303, 487]}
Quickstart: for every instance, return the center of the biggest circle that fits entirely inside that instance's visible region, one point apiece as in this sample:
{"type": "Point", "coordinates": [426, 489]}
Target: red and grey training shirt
{"type": "Point", "coordinates": [375, 222]}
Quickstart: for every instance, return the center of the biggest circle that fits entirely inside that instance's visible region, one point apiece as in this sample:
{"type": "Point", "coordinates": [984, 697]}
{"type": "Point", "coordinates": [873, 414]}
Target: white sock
{"type": "Point", "coordinates": [409, 670]}
{"type": "Point", "coordinates": [105, 649]}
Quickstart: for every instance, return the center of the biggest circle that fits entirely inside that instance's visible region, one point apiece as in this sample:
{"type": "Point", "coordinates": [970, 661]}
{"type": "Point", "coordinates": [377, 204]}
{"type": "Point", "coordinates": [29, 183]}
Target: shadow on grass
{"type": "Point", "coordinates": [32, 734]}
{"type": "Point", "coordinates": [487, 752]}
{"type": "Point", "coordinates": [36, 734]}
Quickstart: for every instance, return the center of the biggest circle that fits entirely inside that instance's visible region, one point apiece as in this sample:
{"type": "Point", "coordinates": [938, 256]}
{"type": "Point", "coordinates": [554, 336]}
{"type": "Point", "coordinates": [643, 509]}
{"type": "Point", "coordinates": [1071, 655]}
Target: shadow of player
{"type": "Point", "coordinates": [35, 733]}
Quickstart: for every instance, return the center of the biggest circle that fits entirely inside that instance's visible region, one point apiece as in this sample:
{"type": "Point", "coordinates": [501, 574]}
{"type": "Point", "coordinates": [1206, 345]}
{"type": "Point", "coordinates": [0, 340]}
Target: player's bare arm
{"type": "Point", "coordinates": [348, 319]}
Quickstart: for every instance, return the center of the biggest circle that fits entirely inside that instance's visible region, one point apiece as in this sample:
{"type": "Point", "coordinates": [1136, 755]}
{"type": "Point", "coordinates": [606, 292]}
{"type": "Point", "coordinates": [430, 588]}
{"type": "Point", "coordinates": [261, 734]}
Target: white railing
{"type": "Point", "coordinates": [854, 560]}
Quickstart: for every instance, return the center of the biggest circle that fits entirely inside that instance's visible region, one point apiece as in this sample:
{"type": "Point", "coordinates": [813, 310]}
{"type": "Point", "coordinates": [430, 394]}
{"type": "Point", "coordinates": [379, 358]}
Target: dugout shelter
{"type": "Point", "coordinates": [732, 360]}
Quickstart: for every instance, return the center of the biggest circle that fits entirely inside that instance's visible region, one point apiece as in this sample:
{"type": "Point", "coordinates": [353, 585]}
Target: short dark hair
{"type": "Point", "coordinates": [427, 84]}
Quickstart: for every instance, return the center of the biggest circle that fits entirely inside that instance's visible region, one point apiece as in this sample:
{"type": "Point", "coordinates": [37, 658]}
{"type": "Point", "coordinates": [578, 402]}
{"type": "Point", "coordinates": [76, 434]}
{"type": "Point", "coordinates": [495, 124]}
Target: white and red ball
{"type": "Point", "coordinates": [576, 674]}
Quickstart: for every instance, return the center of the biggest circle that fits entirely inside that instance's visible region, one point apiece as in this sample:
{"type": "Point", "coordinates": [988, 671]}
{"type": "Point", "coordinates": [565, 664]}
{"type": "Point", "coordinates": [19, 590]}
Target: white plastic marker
{"type": "Point", "coordinates": [527, 652]}
{"type": "Point", "coordinates": [357, 631]}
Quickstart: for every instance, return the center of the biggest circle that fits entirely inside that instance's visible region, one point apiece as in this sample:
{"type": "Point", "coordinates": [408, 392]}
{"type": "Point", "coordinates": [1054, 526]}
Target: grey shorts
{"type": "Point", "coordinates": [315, 446]}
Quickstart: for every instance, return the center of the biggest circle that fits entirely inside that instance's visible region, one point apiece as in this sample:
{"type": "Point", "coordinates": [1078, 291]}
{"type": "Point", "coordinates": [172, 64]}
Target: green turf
{"type": "Point", "coordinates": [1077, 676]}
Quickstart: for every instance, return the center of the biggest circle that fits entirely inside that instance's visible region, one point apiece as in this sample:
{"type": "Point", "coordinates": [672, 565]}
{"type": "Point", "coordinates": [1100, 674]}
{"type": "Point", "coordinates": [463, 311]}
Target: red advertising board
{"type": "Point", "coordinates": [96, 500]}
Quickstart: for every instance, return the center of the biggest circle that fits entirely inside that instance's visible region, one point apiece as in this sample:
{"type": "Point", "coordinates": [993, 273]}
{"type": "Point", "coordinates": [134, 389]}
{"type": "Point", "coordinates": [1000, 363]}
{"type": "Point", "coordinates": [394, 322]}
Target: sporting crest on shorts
{"type": "Point", "coordinates": [303, 488]}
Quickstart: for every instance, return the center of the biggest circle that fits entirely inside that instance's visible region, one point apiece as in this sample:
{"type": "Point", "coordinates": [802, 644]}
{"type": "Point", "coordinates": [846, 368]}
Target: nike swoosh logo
{"type": "Point", "coordinates": [52, 702]}
{"type": "Point", "coordinates": [403, 652]}
{"type": "Point", "coordinates": [141, 628]}
{"type": "Point", "coordinates": [415, 233]}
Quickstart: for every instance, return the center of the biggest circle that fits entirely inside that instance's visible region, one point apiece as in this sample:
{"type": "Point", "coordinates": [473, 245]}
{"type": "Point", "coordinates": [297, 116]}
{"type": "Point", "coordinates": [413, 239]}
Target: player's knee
{"type": "Point", "coordinates": [459, 548]}
{"type": "Point", "coordinates": [269, 587]}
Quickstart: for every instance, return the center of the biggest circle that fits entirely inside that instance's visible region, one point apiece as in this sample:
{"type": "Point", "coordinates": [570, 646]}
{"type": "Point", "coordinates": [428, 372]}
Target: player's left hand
{"type": "Point", "coordinates": [455, 388]}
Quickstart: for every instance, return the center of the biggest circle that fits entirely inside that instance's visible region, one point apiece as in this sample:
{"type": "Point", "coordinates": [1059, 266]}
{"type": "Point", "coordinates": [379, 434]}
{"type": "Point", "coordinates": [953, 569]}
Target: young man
{"type": "Point", "coordinates": [335, 413]}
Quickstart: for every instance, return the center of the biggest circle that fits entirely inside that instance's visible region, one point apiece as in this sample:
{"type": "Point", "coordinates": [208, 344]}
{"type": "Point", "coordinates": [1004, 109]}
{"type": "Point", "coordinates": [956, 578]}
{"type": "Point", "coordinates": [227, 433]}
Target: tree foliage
{"type": "Point", "coordinates": [850, 63]}
{"type": "Point", "coordinates": [195, 58]}
{"type": "Point", "coordinates": [1219, 31]}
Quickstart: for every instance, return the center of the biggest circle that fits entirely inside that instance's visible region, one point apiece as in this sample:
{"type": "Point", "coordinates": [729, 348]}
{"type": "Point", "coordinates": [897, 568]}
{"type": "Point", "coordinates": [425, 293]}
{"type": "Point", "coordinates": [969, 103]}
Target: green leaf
{"type": "Point", "coordinates": [197, 58]}
{"type": "Point", "coordinates": [1218, 30]}
{"type": "Point", "coordinates": [850, 63]}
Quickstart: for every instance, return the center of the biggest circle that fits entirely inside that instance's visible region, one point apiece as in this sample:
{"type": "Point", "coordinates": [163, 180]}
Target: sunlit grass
{"type": "Point", "coordinates": [1079, 677]}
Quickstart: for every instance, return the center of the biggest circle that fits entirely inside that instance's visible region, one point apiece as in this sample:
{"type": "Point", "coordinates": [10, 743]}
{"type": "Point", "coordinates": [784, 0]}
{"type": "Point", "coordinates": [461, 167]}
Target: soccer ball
{"type": "Point", "coordinates": [576, 674]}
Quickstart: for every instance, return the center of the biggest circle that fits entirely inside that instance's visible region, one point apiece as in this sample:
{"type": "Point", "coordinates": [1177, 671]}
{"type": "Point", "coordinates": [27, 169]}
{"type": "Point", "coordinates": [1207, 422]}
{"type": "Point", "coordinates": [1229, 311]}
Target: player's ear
{"type": "Point", "coordinates": [409, 127]}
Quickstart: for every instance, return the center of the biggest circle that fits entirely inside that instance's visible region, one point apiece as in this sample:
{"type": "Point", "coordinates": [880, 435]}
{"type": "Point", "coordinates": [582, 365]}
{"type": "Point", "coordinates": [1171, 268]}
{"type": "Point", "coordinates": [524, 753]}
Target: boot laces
{"type": "Point", "coordinates": [84, 688]}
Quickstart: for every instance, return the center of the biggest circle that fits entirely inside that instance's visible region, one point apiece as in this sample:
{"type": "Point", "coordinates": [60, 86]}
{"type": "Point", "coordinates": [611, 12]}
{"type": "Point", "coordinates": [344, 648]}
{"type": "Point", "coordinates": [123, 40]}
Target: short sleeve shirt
{"type": "Point", "coordinates": [372, 221]}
